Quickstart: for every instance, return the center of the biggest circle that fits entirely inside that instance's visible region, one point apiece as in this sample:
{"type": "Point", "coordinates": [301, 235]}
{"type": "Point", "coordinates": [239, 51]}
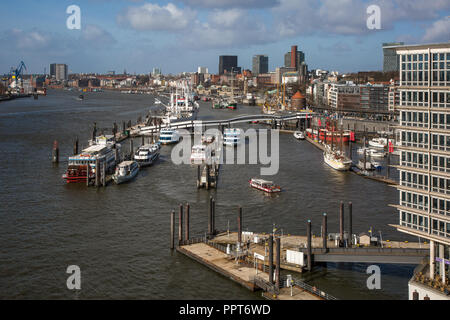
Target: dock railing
{"type": "Point", "coordinates": [309, 288]}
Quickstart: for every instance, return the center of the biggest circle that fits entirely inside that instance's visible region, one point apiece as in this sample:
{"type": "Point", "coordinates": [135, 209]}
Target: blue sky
{"type": "Point", "coordinates": [180, 35]}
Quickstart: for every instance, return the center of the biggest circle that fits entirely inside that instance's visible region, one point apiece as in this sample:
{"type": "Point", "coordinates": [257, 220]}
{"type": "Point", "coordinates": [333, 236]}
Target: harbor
{"type": "Point", "coordinates": [143, 224]}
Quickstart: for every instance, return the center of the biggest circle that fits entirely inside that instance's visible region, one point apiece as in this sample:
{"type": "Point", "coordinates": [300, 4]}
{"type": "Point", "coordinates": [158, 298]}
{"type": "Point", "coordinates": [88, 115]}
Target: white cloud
{"type": "Point", "coordinates": [33, 39]}
{"type": "Point", "coordinates": [231, 3]}
{"type": "Point", "coordinates": [95, 35]}
{"type": "Point", "coordinates": [439, 31]}
{"type": "Point", "coordinates": [154, 17]}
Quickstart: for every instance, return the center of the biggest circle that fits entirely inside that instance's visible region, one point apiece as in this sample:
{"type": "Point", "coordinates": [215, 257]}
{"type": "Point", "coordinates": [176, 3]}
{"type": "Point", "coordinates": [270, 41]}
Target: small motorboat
{"type": "Point", "coordinates": [80, 97]}
{"type": "Point", "coordinates": [379, 143]}
{"type": "Point", "coordinates": [125, 171]}
{"type": "Point", "coordinates": [299, 135]}
{"type": "Point", "coordinates": [263, 185]}
{"type": "Point", "coordinates": [147, 154]}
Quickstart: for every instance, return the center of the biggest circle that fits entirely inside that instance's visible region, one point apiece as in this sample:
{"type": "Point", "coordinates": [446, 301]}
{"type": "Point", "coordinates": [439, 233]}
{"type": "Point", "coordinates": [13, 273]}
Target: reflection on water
{"type": "Point", "coordinates": [119, 235]}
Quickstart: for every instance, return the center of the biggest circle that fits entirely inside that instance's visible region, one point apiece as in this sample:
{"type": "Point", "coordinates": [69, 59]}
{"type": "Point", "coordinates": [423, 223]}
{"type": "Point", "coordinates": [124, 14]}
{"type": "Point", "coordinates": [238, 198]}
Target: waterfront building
{"type": "Point", "coordinates": [260, 64]}
{"type": "Point", "coordinates": [424, 169]}
{"type": "Point", "coordinates": [228, 64]}
{"type": "Point", "coordinates": [374, 97]}
{"type": "Point", "coordinates": [202, 70]}
{"type": "Point", "coordinates": [344, 96]}
{"type": "Point", "coordinates": [390, 58]}
{"type": "Point", "coordinates": [59, 71]}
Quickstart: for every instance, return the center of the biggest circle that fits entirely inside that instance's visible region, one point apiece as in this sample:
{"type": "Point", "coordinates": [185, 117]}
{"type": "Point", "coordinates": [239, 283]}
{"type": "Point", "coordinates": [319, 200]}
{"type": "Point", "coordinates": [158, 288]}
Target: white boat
{"type": "Point", "coordinates": [299, 135]}
{"type": "Point", "coordinates": [169, 136]}
{"type": "Point", "coordinates": [263, 185]}
{"type": "Point", "coordinates": [336, 161]}
{"type": "Point", "coordinates": [378, 143]}
{"type": "Point", "coordinates": [232, 136]}
{"type": "Point", "coordinates": [182, 105]}
{"type": "Point", "coordinates": [376, 165]}
{"type": "Point", "coordinates": [147, 154]}
{"type": "Point", "coordinates": [370, 152]}
{"type": "Point", "coordinates": [125, 171]}
{"type": "Point", "coordinates": [361, 166]}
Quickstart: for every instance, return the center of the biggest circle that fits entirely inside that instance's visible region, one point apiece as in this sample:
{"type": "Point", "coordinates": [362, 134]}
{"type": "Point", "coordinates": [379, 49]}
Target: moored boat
{"type": "Point", "coordinates": [336, 160]}
{"type": "Point", "coordinates": [264, 185]}
{"type": "Point", "coordinates": [125, 171]}
{"type": "Point", "coordinates": [299, 135]}
{"type": "Point", "coordinates": [232, 136]}
{"type": "Point", "coordinates": [147, 154]}
{"type": "Point", "coordinates": [168, 136]}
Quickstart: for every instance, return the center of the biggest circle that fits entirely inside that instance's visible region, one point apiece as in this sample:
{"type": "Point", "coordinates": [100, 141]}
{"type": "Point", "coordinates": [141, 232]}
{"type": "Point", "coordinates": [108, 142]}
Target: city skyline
{"type": "Point", "coordinates": [182, 35]}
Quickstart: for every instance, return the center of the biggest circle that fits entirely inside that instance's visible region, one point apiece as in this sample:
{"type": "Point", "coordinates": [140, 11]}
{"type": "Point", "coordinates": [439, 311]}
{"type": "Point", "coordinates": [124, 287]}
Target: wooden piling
{"type": "Point", "coordinates": [186, 222]}
{"type": "Point", "coordinates": [240, 225]}
{"type": "Point", "coordinates": [278, 265]}
{"type": "Point", "coordinates": [210, 217]}
{"type": "Point", "coordinates": [131, 149]}
{"type": "Point", "coordinates": [350, 224]}
{"type": "Point", "coordinates": [75, 147]}
{"type": "Point", "coordinates": [271, 259]}
{"type": "Point", "coordinates": [213, 216]}
{"type": "Point", "coordinates": [87, 174]}
{"type": "Point", "coordinates": [172, 230]}
{"type": "Point", "coordinates": [309, 244]}
{"type": "Point", "coordinates": [104, 173]}
{"type": "Point", "coordinates": [55, 152]}
{"type": "Point", "coordinates": [180, 224]}
{"type": "Point", "coordinates": [199, 177]}
{"type": "Point", "coordinates": [341, 224]}
{"type": "Point", "coordinates": [324, 231]}
{"type": "Point", "coordinates": [97, 172]}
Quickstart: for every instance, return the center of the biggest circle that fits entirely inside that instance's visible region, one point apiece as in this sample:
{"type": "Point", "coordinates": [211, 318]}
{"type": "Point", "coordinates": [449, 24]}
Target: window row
{"type": "Point", "coordinates": [414, 180]}
{"type": "Point", "coordinates": [440, 228]}
{"type": "Point", "coordinates": [440, 206]}
{"type": "Point", "coordinates": [440, 185]}
{"type": "Point", "coordinates": [415, 139]}
{"type": "Point", "coordinates": [414, 221]}
{"type": "Point", "coordinates": [440, 142]}
{"type": "Point", "coordinates": [414, 119]}
{"type": "Point", "coordinates": [440, 99]}
{"type": "Point", "coordinates": [440, 120]}
{"type": "Point", "coordinates": [414, 57]}
{"type": "Point", "coordinates": [440, 163]}
{"type": "Point", "coordinates": [414, 160]}
{"type": "Point", "coordinates": [414, 200]}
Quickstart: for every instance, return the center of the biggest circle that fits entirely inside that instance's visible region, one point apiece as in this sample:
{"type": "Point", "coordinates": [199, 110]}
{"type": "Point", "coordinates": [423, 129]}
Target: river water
{"type": "Point", "coordinates": [119, 235]}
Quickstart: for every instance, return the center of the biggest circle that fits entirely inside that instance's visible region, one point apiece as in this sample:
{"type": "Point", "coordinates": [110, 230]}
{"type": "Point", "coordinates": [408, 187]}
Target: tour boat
{"type": "Point", "coordinates": [147, 154]}
{"type": "Point", "coordinates": [232, 136]}
{"type": "Point", "coordinates": [83, 165]}
{"type": "Point", "coordinates": [336, 135]}
{"type": "Point", "coordinates": [263, 185]}
{"type": "Point", "coordinates": [299, 135]}
{"type": "Point", "coordinates": [168, 136]}
{"type": "Point", "coordinates": [125, 171]}
{"type": "Point", "coordinates": [336, 160]}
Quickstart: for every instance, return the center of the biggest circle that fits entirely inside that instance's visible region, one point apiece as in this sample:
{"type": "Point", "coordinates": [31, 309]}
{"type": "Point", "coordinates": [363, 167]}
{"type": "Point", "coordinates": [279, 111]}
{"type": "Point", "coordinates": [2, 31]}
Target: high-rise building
{"type": "Point", "coordinates": [294, 58]}
{"type": "Point", "coordinates": [202, 70]}
{"type": "Point", "coordinates": [390, 58]}
{"type": "Point", "coordinates": [227, 63]}
{"type": "Point", "coordinates": [260, 64]}
{"type": "Point", "coordinates": [424, 170]}
{"type": "Point", "coordinates": [156, 72]}
{"type": "Point", "coordinates": [59, 71]}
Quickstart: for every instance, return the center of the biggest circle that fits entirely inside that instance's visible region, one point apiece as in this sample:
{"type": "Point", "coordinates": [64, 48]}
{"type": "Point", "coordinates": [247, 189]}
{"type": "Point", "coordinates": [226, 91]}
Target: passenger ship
{"type": "Point", "coordinates": [82, 165]}
{"type": "Point", "coordinates": [168, 136]}
{"type": "Point", "coordinates": [147, 154]}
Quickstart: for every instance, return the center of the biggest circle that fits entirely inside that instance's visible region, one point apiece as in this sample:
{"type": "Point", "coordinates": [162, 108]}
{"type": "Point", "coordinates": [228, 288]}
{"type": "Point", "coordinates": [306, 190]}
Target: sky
{"type": "Point", "coordinates": [180, 35]}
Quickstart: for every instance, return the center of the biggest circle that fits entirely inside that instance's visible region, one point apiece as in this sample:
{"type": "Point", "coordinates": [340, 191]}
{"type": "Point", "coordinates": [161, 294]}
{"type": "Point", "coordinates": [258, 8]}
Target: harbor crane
{"type": "Point", "coordinates": [16, 73]}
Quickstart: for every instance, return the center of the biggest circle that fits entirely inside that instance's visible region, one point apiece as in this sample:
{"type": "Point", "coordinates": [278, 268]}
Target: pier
{"type": "Point", "coordinates": [255, 260]}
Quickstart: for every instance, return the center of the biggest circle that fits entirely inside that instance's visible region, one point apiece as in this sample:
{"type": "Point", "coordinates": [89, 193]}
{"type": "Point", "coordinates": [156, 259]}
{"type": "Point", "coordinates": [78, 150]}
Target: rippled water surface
{"type": "Point", "coordinates": [119, 235]}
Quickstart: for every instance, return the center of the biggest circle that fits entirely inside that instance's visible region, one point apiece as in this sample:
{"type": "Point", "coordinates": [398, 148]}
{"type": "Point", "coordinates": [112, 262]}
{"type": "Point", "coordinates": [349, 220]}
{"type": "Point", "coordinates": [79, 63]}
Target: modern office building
{"type": "Point", "coordinates": [390, 58]}
{"type": "Point", "coordinates": [424, 169]}
{"type": "Point", "coordinates": [156, 72]}
{"type": "Point", "coordinates": [202, 70]}
{"type": "Point", "coordinates": [227, 64]}
{"type": "Point", "coordinates": [59, 71]}
{"type": "Point", "coordinates": [294, 58]}
{"type": "Point", "coordinates": [260, 64]}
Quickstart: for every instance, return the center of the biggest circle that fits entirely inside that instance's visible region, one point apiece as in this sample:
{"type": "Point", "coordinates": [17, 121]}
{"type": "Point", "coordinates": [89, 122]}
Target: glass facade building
{"type": "Point", "coordinates": [424, 187]}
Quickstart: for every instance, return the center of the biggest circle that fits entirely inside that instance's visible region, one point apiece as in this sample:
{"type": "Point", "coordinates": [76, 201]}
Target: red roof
{"type": "Point", "coordinates": [298, 95]}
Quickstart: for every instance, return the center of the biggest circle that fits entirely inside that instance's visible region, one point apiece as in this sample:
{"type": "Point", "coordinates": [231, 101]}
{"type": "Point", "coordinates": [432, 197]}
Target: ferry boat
{"type": "Point", "coordinates": [82, 165]}
{"type": "Point", "coordinates": [125, 171]}
{"type": "Point", "coordinates": [263, 185]}
{"type": "Point", "coordinates": [299, 135]}
{"type": "Point", "coordinates": [147, 154]}
{"type": "Point", "coordinates": [336, 160]}
{"type": "Point", "coordinates": [168, 136]}
{"type": "Point", "coordinates": [232, 136]}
